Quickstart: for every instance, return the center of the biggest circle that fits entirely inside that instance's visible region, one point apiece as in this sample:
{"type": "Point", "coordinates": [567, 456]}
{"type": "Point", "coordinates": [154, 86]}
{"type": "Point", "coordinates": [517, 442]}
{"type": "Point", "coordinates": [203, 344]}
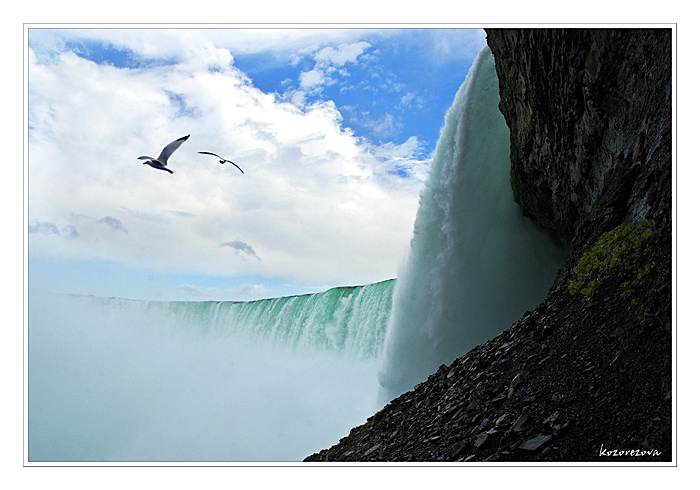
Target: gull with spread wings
{"type": "Point", "coordinates": [222, 160]}
{"type": "Point", "coordinates": [162, 160]}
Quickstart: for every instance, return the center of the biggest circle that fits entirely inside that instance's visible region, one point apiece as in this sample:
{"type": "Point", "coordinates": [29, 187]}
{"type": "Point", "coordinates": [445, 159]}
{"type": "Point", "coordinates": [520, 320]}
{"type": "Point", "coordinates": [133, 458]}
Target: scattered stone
{"type": "Point", "coordinates": [551, 419]}
{"type": "Point", "coordinates": [481, 439]}
{"type": "Point", "coordinates": [535, 443]}
{"type": "Point", "coordinates": [457, 414]}
{"type": "Point", "coordinates": [502, 419]}
{"type": "Point", "coordinates": [518, 424]}
{"type": "Point", "coordinates": [615, 359]}
{"type": "Point", "coordinates": [505, 347]}
{"type": "Point", "coordinates": [519, 378]}
{"type": "Point", "coordinates": [461, 449]}
{"type": "Point", "coordinates": [560, 427]}
{"type": "Point", "coordinates": [372, 449]}
{"type": "Point", "coordinates": [497, 400]}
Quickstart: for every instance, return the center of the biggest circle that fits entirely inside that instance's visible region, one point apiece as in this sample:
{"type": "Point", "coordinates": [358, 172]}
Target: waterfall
{"type": "Point", "coordinates": [271, 380]}
{"type": "Point", "coordinates": [351, 320]}
{"type": "Point", "coordinates": [476, 264]}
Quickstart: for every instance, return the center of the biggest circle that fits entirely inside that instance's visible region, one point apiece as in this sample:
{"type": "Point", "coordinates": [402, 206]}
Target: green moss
{"type": "Point", "coordinates": [622, 253]}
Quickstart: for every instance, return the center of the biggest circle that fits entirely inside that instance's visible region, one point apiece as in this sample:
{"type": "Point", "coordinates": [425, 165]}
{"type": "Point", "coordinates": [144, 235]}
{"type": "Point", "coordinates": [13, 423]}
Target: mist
{"type": "Point", "coordinates": [111, 384]}
{"type": "Point", "coordinates": [476, 263]}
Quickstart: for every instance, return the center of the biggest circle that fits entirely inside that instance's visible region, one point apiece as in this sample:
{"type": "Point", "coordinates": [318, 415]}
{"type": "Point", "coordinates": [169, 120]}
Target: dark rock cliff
{"type": "Point", "coordinates": [589, 112]}
{"type": "Point", "coordinates": [585, 376]}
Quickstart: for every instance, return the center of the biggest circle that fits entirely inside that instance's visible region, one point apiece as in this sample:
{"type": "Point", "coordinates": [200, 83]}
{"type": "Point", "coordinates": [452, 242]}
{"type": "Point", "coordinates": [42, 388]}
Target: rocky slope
{"type": "Point", "coordinates": [587, 375]}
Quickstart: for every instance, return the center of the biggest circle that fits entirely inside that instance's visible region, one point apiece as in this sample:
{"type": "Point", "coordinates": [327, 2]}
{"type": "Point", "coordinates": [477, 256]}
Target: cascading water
{"type": "Point", "coordinates": [476, 264]}
{"type": "Point", "coordinates": [351, 320]}
{"type": "Point", "coordinates": [271, 380]}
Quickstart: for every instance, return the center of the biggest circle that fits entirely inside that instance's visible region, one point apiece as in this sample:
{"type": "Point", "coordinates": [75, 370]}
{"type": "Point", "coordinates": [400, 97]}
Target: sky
{"type": "Point", "coordinates": [334, 129]}
{"type": "Point", "coordinates": [96, 264]}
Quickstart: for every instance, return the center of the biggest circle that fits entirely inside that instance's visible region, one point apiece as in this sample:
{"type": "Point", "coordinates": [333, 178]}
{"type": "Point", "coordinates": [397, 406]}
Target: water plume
{"type": "Point", "coordinates": [476, 264]}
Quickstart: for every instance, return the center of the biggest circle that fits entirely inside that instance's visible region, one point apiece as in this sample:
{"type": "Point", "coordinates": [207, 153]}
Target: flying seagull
{"type": "Point", "coordinates": [222, 160]}
{"type": "Point", "coordinates": [162, 160]}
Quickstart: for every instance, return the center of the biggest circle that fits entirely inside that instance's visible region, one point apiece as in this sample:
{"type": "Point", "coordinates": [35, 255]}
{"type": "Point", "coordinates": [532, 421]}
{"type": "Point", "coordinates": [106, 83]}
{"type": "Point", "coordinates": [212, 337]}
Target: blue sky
{"type": "Point", "coordinates": [334, 129]}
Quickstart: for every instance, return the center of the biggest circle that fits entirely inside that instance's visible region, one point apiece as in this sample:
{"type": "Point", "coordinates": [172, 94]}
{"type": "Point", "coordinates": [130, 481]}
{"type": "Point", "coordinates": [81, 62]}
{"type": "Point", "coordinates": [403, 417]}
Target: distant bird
{"type": "Point", "coordinates": [222, 160]}
{"type": "Point", "coordinates": [162, 160]}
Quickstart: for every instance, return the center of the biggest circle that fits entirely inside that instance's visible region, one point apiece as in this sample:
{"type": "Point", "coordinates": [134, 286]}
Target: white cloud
{"type": "Point", "coordinates": [319, 204]}
{"type": "Point", "coordinates": [181, 44]}
{"type": "Point", "coordinates": [243, 292]}
{"type": "Point", "coordinates": [402, 158]}
{"type": "Point", "coordinates": [241, 247]}
{"type": "Point", "coordinates": [191, 290]}
{"type": "Point", "coordinates": [246, 290]}
{"type": "Point", "coordinates": [329, 61]}
{"type": "Point", "coordinates": [113, 223]}
{"type": "Point", "coordinates": [312, 78]}
{"type": "Point", "coordinates": [385, 126]}
{"type": "Point", "coordinates": [340, 55]}
{"type": "Point", "coordinates": [412, 101]}
{"type": "Point", "coordinates": [443, 45]}
{"type": "Point", "coordinates": [49, 228]}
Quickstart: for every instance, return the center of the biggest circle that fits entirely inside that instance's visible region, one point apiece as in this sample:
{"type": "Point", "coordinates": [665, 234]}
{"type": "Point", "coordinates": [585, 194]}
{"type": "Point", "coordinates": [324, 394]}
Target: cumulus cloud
{"type": "Point", "coordinates": [329, 61]}
{"type": "Point", "coordinates": [113, 223]}
{"type": "Point", "coordinates": [246, 290]}
{"type": "Point", "coordinates": [384, 126]}
{"type": "Point", "coordinates": [191, 290]}
{"type": "Point", "coordinates": [412, 101]}
{"type": "Point", "coordinates": [402, 159]}
{"type": "Point", "coordinates": [340, 55]}
{"type": "Point", "coordinates": [315, 199]}
{"type": "Point", "coordinates": [49, 228]}
{"type": "Point", "coordinates": [241, 246]}
{"type": "Point", "coordinates": [183, 214]}
{"type": "Point", "coordinates": [312, 79]}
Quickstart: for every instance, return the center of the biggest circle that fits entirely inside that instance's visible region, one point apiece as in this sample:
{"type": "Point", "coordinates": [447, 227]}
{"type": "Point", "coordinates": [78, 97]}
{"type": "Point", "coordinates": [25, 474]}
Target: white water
{"type": "Point", "coordinates": [119, 380]}
{"type": "Point", "coordinates": [475, 264]}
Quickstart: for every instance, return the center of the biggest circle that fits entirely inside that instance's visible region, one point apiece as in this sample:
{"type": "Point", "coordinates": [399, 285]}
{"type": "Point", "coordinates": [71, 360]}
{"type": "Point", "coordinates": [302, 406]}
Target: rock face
{"type": "Point", "coordinates": [587, 375]}
{"type": "Point", "coordinates": [589, 112]}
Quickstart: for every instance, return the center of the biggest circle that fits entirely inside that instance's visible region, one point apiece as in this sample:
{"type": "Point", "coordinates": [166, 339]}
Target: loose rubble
{"type": "Point", "coordinates": [590, 381]}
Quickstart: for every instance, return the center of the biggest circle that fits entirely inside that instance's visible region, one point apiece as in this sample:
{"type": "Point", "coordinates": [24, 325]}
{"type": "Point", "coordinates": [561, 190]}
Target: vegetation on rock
{"type": "Point", "coordinates": [619, 253]}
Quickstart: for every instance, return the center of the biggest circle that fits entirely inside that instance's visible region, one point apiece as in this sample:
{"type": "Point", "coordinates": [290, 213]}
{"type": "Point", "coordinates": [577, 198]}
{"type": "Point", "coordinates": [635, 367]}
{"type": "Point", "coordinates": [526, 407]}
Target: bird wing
{"type": "Point", "coordinates": [239, 168]}
{"type": "Point", "coordinates": [145, 158]}
{"type": "Point", "coordinates": [210, 153]}
{"type": "Point", "coordinates": [170, 148]}
{"type": "Point", "coordinates": [222, 158]}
